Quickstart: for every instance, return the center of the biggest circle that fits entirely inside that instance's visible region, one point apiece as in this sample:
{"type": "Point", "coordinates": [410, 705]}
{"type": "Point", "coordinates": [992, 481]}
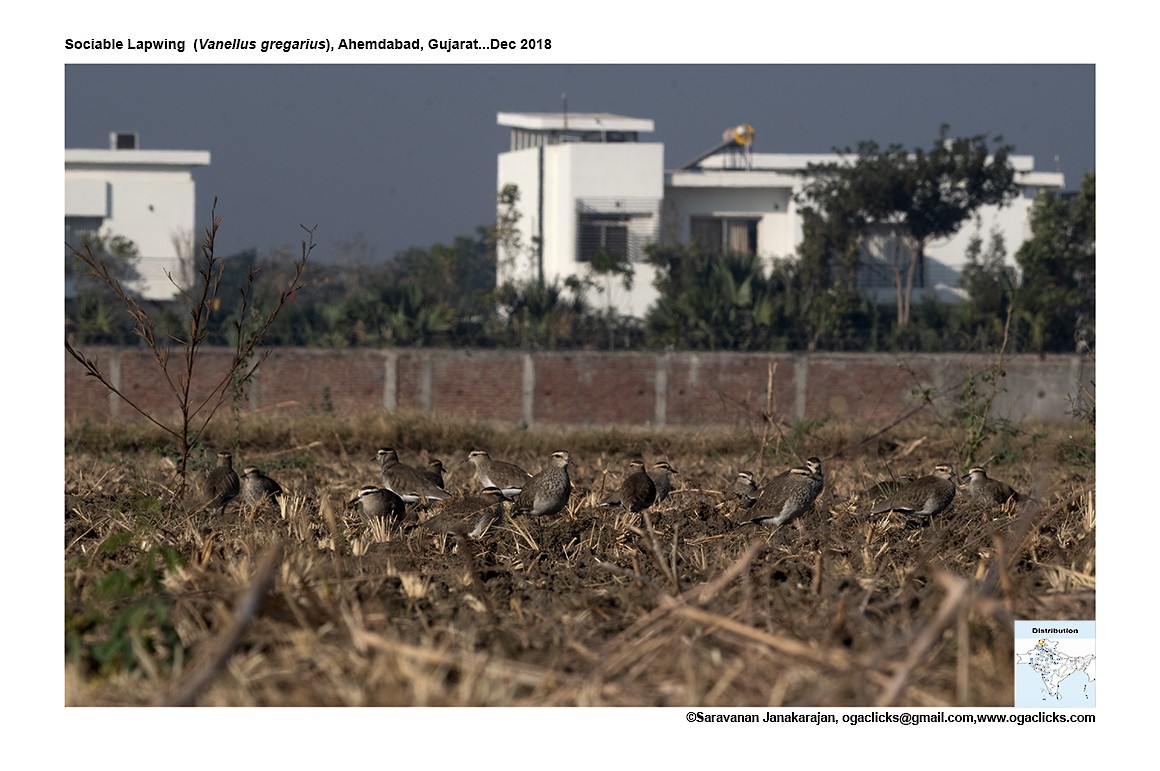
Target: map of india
{"type": "Point", "coordinates": [1055, 664]}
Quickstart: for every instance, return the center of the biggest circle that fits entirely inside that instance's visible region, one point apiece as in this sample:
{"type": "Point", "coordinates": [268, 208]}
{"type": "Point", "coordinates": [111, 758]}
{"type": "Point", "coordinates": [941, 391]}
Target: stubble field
{"type": "Point", "coordinates": [308, 604]}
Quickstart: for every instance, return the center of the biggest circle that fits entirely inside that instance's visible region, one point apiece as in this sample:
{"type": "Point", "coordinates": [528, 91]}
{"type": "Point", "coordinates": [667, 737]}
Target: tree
{"type": "Point", "coordinates": [531, 314]}
{"type": "Point", "coordinates": [831, 308]}
{"type": "Point", "coordinates": [1056, 298]}
{"type": "Point", "coordinates": [413, 317]}
{"type": "Point", "coordinates": [529, 311]}
{"type": "Point", "coordinates": [715, 301]}
{"type": "Point", "coordinates": [460, 275]}
{"type": "Point", "coordinates": [910, 197]}
{"type": "Point", "coordinates": [990, 286]}
{"type": "Point", "coordinates": [604, 268]}
{"type": "Point", "coordinates": [95, 314]}
{"type": "Point", "coordinates": [505, 240]}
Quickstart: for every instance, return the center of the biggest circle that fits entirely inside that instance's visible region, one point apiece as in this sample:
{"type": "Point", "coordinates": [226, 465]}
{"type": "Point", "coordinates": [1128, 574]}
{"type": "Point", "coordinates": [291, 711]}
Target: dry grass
{"type": "Point", "coordinates": [307, 604]}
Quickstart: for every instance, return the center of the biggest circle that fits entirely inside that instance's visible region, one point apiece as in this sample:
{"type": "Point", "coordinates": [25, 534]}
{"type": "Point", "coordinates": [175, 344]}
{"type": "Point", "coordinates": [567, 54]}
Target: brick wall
{"type": "Point", "coordinates": [591, 387]}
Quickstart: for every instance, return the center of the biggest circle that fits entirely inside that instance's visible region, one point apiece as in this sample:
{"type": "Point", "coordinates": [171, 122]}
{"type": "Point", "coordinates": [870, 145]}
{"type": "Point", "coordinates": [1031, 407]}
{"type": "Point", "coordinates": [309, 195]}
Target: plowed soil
{"type": "Point", "coordinates": [308, 604]}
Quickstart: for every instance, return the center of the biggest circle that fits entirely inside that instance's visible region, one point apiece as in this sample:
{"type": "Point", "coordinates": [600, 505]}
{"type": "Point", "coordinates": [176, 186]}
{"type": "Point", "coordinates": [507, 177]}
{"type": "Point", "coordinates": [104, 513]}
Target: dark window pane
{"type": "Point", "coordinates": [707, 232]}
{"type": "Point", "coordinates": [601, 232]}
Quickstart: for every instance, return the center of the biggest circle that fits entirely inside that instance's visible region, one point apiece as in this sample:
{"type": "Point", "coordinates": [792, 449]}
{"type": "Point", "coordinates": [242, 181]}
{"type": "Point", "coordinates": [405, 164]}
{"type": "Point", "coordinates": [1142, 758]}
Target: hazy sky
{"type": "Point", "coordinates": [403, 155]}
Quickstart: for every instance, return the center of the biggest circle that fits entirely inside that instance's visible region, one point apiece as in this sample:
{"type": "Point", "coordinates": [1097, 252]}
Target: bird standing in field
{"type": "Point", "coordinates": [379, 503]}
{"type": "Point", "coordinates": [745, 489]}
{"type": "Point", "coordinates": [547, 492]}
{"type": "Point", "coordinates": [434, 472]}
{"type": "Point", "coordinates": [982, 489]}
{"type": "Point", "coordinates": [469, 515]}
{"type": "Point", "coordinates": [925, 496]}
{"type": "Point", "coordinates": [257, 487]}
{"type": "Point", "coordinates": [410, 484]}
{"type": "Point", "coordinates": [660, 475]}
{"type": "Point", "coordinates": [508, 477]}
{"type": "Point", "coordinates": [785, 497]}
{"type": "Point", "coordinates": [222, 484]}
{"type": "Point", "coordinates": [636, 493]}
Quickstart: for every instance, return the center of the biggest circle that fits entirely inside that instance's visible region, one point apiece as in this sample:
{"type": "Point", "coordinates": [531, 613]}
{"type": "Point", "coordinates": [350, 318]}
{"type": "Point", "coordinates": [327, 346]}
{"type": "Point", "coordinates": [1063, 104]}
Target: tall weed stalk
{"type": "Point", "coordinates": [177, 356]}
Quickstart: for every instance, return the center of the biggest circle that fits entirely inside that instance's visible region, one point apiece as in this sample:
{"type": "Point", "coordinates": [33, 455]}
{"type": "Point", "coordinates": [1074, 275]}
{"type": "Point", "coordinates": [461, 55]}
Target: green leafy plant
{"type": "Point", "coordinates": [120, 618]}
{"type": "Point", "coordinates": [714, 301]}
{"type": "Point", "coordinates": [1056, 300]}
{"type": "Point", "coordinates": [975, 416]}
{"type": "Point", "coordinates": [92, 314]}
{"type": "Point", "coordinates": [910, 197]}
{"type": "Point", "coordinates": [974, 408]}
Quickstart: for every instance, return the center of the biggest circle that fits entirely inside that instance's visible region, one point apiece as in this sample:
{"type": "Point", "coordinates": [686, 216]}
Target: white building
{"type": "Point", "coordinates": [586, 181]}
{"type": "Point", "coordinates": [146, 196]}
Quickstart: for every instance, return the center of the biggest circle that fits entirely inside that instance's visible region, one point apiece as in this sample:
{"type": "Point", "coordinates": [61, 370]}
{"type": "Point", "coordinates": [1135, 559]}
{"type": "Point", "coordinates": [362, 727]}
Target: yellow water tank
{"type": "Point", "coordinates": [742, 135]}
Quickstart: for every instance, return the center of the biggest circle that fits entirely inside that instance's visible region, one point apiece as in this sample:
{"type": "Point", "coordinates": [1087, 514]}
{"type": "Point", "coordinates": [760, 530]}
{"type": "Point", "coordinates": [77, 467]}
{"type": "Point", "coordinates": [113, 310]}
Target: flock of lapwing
{"type": "Point", "coordinates": [412, 496]}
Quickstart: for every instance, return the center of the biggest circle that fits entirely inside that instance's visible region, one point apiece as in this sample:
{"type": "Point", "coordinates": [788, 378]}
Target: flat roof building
{"type": "Point", "coordinates": [146, 196]}
{"type": "Point", "coordinates": [587, 182]}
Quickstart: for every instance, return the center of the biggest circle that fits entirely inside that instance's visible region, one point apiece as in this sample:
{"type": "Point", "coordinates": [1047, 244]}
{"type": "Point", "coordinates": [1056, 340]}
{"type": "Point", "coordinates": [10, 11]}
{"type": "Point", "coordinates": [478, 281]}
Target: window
{"type": "Point", "coordinates": [623, 227]}
{"type": "Point", "coordinates": [602, 231]}
{"type": "Point", "coordinates": [725, 234]}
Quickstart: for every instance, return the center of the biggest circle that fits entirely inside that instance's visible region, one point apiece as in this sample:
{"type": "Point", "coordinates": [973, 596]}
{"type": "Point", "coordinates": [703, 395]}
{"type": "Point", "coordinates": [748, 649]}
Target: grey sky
{"type": "Point", "coordinates": [405, 155]}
